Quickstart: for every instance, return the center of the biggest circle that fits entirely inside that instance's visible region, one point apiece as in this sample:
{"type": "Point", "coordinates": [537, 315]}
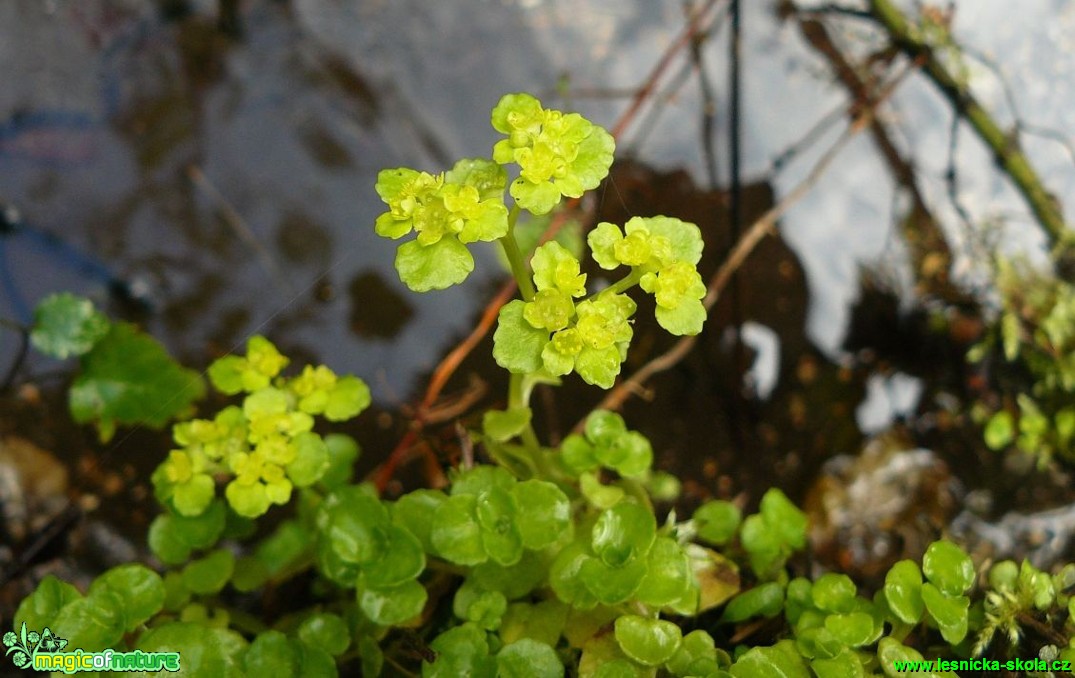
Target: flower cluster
{"type": "Point", "coordinates": [447, 211]}
{"type": "Point", "coordinates": [665, 251]}
{"type": "Point", "coordinates": [558, 154]}
{"type": "Point", "coordinates": [268, 445]}
{"type": "Point", "coordinates": [555, 334]}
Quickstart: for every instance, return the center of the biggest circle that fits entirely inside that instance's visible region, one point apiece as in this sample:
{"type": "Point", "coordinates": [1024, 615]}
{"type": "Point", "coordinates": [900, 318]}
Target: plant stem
{"type": "Point", "coordinates": [515, 257]}
{"type": "Point", "coordinates": [518, 399]}
{"type": "Point", "coordinates": [625, 283]}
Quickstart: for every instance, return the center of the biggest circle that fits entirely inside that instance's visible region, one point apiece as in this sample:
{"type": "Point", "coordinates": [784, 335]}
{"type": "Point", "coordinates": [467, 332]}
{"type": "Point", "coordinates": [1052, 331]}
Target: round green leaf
{"type": "Point", "coordinates": [648, 641]}
{"type": "Point", "coordinates": [495, 509]}
{"type": "Point", "coordinates": [456, 534]}
{"type": "Point", "coordinates": [517, 344]}
{"type": "Point", "coordinates": [325, 631]}
{"type": "Point", "coordinates": [948, 568]}
{"type": "Point", "coordinates": [834, 592]}
{"type": "Point", "coordinates": [903, 591]}
{"type": "Point", "coordinates": [668, 574]}
{"type": "Point", "coordinates": [765, 600]}
{"type": "Point", "coordinates": [400, 559]}
{"type": "Point", "coordinates": [623, 532]}
{"type": "Point", "coordinates": [782, 660]}
{"type": "Point", "coordinates": [546, 514]}
{"type": "Point", "coordinates": [436, 266]}
{"type": "Point", "coordinates": [67, 325]}
{"type": "Point", "coordinates": [528, 658]}
{"type": "Point", "coordinates": [271, 653]}
{"type": "Point", "coordinates": [844, 665]}
{"type": "Point", "coordinates": [950, 612]}
{"type": "Point", "coordinates": [208, 575]}
{"type": "Point", "coordinates": [613, 585]}
{"type": "Point", "coordinates": [566, 580]}
{"type": "Point", "coordinates": [140, 590]}
{"type": "Point", "coordinates": [891, 651]}
{"type": "Point", "coordinates": [853, 629]}
{"type": "Point", "coordinates": [204, 651]}
{"type": "Point", "coordinates": [394, 605]}
{"type": "Point", "coordinates": [716, 521]}
{"type": "Point", "coordinates": [415, 511]}
{"type": "Point", "coordinates": [697, 645]}
{"type": "Point", "coordinates": [475, 604]}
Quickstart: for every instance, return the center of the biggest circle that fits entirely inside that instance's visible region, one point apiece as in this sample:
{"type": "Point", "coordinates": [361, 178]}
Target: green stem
{"type": "Point", "coordinates": [515, 257]}
{"type": "Point", "coordinates": [623, 284]}
{"type": "Point", "coordinates": [517, 398]}
{"type": "Point", "coordinates": [1005, 147]}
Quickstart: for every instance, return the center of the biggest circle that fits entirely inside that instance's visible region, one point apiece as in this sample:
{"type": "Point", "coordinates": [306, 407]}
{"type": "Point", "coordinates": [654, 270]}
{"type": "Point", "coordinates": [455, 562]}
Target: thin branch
{"type": "Point", "coordinates": [1009, 155]}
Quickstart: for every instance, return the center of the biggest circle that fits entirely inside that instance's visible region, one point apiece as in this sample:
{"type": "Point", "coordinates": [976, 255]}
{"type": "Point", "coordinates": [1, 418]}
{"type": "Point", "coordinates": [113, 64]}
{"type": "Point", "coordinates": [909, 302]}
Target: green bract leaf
{"type": "Point", "coordinates": [546, 514]}
{"type": "Point", "coordinates": [717, 521]}
{"type": "Point", "coordinates": [395, 605]}
{"type": "Point", "coordinates": [66, 325]}
{"type": "Point", "coordinates": [685, 238]}
{"type": "Point", "coordinates": [483, 174]}
{"type": "Point", "coordinates": [517, 344]}
{"type": "Point", "coordinates": [514, 581]}
{"type": "Point", "coordinates": [128, 378]}
{"type": "Point", "coordinates": [311, 459]}
{"type": "Point", "coordinates": [602, 240]}
{"type": "Point", "coordinates": [528, 658]}
{"type": "Point", "coordinates": [436, 266]}
{"type": "Point", "coordinates": [853, 629]}
{"type": "Point", "coordinates": [648, 641]}
{"type": "Point", "coordinates": [948, 567]}
{"type": "Point", "coordinates": [557, 269]}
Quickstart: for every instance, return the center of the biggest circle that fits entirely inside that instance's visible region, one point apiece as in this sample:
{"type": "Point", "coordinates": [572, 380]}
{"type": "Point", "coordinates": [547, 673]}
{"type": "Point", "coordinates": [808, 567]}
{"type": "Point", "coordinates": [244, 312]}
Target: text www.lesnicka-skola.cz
{"type": "Point", "coordinates": [983, 665]}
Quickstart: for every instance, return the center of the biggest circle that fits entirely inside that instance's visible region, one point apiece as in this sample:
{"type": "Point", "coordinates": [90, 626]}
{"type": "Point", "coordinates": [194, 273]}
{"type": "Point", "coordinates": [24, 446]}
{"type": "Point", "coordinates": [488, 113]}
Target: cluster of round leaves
{"type": "Point", "coordinates": [606, 443]}
{"type": "Point", "coordinates": [556, 335]}
{"type": "Point", "coordinates": [558, 154]}
{"type": "Point", "coordinates": [556, 332]}
{"type": "Point", "coordinates": [447, 211]}
{"type": "Point", "coordinates": [663, 252]}
{"type": "Point", "coordinates": [267, 446]}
